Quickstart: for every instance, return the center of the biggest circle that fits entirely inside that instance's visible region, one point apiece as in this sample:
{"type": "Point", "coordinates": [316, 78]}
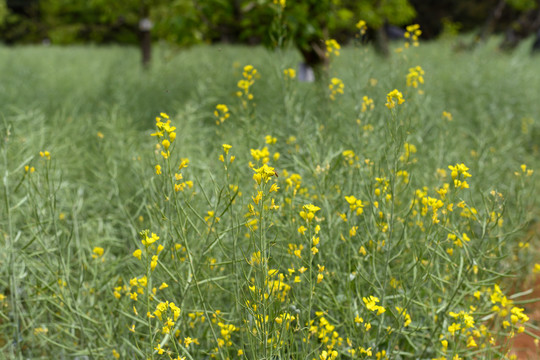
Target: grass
{"type": "Point", "coordinates": [93, 109]}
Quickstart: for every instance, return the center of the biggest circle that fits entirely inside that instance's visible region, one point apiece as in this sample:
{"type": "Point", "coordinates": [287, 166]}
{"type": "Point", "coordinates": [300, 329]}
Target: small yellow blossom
{"type": "Point", "coordinates": [221, 113]}
{"type": "Point", "coordinates": [97, 252]}
{"type": "Point", "coordinates": [226, 148]}
{"type": "Point", "coordinates": [412, 34]}
{"type": "Point", "coordinates": [45, 154]}
{"type": "Point", "coordinates": [289, 73]}
{"type": "Point", "coordinates": [362, 26]}
{"type": "Point", "coordinates": [163, 286]}
{"type": "Point", "coordinates": [336, 87]}
{"type": "Point", "coordinates": [332, 47]}
{"type": "Point", "coordinates": [415, 76]}
{"type": "Point", "coordinates": [394, 98]}
{"type": "Point", "coordinates": [446, 115]}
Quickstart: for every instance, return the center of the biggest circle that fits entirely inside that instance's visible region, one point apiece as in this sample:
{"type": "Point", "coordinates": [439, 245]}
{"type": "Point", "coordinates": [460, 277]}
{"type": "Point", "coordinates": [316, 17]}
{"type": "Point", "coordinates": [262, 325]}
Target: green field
{"type": "Point", "coordinates": [398, 256]}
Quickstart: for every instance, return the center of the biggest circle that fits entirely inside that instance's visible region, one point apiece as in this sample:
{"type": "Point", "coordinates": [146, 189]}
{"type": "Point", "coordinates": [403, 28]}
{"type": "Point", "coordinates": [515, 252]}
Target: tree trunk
{"type": "Point", "coordinates": [491, 21]}
{"type": "Point", "coordinates": [315, 57]}
{"type": "Point", "coordinates": [145, 26]}
{"type": "Point", "coordinates": [381, 42]}
{"type": "Point", "coordinates": [526, 25]}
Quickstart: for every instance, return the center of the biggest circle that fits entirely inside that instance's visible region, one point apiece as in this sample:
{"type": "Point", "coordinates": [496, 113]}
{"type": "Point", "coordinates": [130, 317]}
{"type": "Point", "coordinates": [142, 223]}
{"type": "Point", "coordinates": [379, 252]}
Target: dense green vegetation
{"type": "Point", "coordinates": [70, 229]}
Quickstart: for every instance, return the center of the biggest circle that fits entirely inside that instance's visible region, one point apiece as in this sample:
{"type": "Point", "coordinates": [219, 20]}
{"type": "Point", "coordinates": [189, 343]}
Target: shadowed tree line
{"type": "Point", "coordinates": [274, 23]}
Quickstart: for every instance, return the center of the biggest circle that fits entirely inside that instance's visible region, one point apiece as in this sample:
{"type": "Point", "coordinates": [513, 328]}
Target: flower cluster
{"type": "Point", "coordinates": [355, 204]}
{"type": "Point", "coordinates": [332, 47]}
{"type": "Point", "coordinates": [223, 157]}
{"type": "Point", "coordinates": [167, 132]}
{"type": "Point", "coordinates": [289, 73]}
{"type": "Point", "coordinates": [264, 173]}
{"type": "Point", "coordinates": [326, 334]}
{"type": "Point", "coordinates": [148, 242]}
{"type": "Point", "coordinates": [350, 157]}
{"type": "Point", "coordinates": [371, 304]}
{"type": "Point", "coordinates": [524, 171]}
{"type": "Point", "coordinates": [221, 113]}
{"type": "Point", "coordinates": [415, 76]}
{"type": "Point", "coordinates": [367, 104]}
{"type": "Point", "coordinates": [249, 74]}
{"type": "Point", "coordinates": [412, 34]}
{"type": "Point", "coordinates": [459, 174]}
{"type": "Point", "coordinates": [308, 212]}
{"type": "Point", "coordinates": [394, 98]}
{"type": "Point", "coordinates": [446, 115]}
{"type": "Point", "coordinates": [336, 87]}
{"type": "Point", "coordinates": [45, 154]}
{"type": "Point", "coordinates": [362, 26]}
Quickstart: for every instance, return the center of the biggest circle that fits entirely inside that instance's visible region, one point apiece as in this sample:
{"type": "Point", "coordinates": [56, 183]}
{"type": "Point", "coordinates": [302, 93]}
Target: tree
{"type": "Point", "coordinates": [527, 22]}
{"type": "Point", "coordinates": [128, 21]}
{"type": "Point", "coordinates": [3, 11]}
{"type": "Point", "coordinates": [307, 24]}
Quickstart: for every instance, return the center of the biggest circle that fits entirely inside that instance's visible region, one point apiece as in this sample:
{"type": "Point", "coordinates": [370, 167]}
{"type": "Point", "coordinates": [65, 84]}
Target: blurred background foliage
{"type": "Point", "coordinates": [302, 24]}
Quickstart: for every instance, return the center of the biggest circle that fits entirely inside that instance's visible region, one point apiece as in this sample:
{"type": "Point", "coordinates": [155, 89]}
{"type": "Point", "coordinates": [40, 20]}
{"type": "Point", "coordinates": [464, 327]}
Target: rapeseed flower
{"type": "Point", "coordinates": [412, 34]}
{"type": "Point", "coordinates": [45, 154]}
{"type": "Point", "coordinates": [289, 73]}
{"type": "Point", "coordinates": [332, 47]}
{"type": "Point", "coordinates": [394, 98]}
{"type": "Point", "coordinates": [415, 76]}
{"type": "Point", "coordinates": [221, 113]}
{"type": "Point", "coordinates": [362, 26]}
{"type": "Point", "coordinates": [336, 87]}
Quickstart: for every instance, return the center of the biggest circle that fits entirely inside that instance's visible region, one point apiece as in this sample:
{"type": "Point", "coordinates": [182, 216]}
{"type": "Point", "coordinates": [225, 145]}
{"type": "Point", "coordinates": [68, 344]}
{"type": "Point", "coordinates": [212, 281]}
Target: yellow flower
{"type": "Point", "coordinates": [188, 341]}
{"type": "Point", "coordinates": [45, 154]}
{"type": "Point", "coordinates": [394, 98]}
{"type": "Point", "coordinates": [29, 169]}
{"type": "Point", "coordinates": [97, 252]}
{"type": "Point", "coordinates": [412, 34]}
{"type": "Point", "coordinates": [336, 87]}
{"type": "Point", "coordinates": [163, 286]}
{"type": "Point", "coordinates": [371, 304]}
{"type": "Point", "coordinates": [226, 148]}
{"type": "Point", "coordinates": [311, 208]}
{"type": "Point", "coordinates": [137, 253]}
{"type": "Point", "coordinates": [453, 328]}
{"type": "Point", "coordinates": [166, 144]}
{"type": "Point", "coordinates": [153, 263]}
{"type": "Point", "coordinates": [270, 140]}
{"type": "Point", "coordinates": [446, 115]}
{"type": "Point", "coordinates": [263, 173]}
{"type": "Point", "coordinates": [159, 349]}
{"type": "Point", "coordinates": [362, 26]}
{"type": "Point", "coordinates": [158, 169]}
{"type": "Point", "coordinates": [222, 113]}
{"type": "Point", "coordinates": [289, 73]}
{"type": "Point", "coordinates": [415, 77]}
{"type": "Point", "coordinates": [149, 240]}
{"type": "Point", "coordinates": [367, 104]}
